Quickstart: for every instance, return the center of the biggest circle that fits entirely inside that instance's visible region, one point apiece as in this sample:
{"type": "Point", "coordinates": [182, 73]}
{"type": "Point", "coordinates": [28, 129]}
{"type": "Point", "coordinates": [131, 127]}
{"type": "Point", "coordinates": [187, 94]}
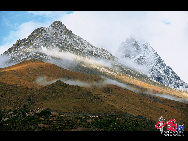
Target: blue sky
{"type": "Point", "coordinates": [166, 31]}
{"type": "Point", "coordinates": [11, 20]}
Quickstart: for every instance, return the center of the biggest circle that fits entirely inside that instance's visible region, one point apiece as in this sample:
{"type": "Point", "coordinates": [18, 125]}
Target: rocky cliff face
{"type": "Point", "coordinates": [142, 54]}
{"type": "Point", "coordinates": [54, 36]}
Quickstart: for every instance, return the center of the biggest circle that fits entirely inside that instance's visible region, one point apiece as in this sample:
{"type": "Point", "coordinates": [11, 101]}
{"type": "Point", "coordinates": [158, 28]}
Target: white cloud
{"type": "Point", "coordinates": [69, 59]}
{"type": "Point", "coordinates": [52, 15]}
{"type": "Point", "coordinates": [22, 31]}
{"type": "Point", "coordinates": [102, 29]}
{"type": "Point", "coordinates": [6, 46]}
{"type": "Point", "coordinates": [170, 40]}
{"type": "Point", "coordinates": [5, 21]}
{"type": "Point", "coordinates": [108, 29]}
{"type": "Point", "coordinates": [41, 13]}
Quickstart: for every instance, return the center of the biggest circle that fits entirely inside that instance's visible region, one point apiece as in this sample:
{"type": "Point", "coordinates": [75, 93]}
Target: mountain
{"type": "Point", "coordinates": [54, 36]}
{"type": "Point", "coordinates": [146, 58]}
{"type": "Point", "coordinates": [19, 89]}
{"type": "Point", "coordinates": [58, 70]}
{"type": "Point", "coordinates": [58, 45]}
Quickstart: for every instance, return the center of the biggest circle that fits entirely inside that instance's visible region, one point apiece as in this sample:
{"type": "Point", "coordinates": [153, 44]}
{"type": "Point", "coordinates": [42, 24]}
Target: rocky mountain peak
{"type": "Point", "coordinates": [57, 24]}
{"type": "Point", "coordinates": [56, 36]}
{"type": "Point", "coordinates": [142, 55]}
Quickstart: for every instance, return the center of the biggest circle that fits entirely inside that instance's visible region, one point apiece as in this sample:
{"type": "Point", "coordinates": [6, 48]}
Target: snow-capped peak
{"type": "Point", "coordinates": [139, 55]}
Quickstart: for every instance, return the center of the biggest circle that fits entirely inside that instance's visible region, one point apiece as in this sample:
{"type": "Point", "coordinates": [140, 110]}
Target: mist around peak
{"type": "Point", "coordinates": [140, 56]}
{"type": "Point", "coordinates": [43, 80]}
{"type": "Point", "coordinates": [68, 60]}
{"type": "Point", "coordinates": [131, 54]}
{"type": "Point", "coordinates": [4, 61]}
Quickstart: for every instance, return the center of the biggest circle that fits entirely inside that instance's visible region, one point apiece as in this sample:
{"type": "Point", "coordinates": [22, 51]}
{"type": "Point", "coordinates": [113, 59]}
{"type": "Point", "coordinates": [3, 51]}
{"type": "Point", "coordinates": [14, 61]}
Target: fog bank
{"type": "Point", "coordinates": [4, 59]}
{"type": "Point", "coordinates": [42, 80]}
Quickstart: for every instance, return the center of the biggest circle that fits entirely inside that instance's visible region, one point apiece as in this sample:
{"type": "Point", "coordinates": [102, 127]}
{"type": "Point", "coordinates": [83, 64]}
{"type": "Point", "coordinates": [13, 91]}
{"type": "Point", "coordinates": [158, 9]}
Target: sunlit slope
{"type": "Point", "coordinates": [26, 73]}
{"type": "Point", "coordinates": [142, 104]}
{"type": "Point", "coordinates": [18, 89]}
{"type": "Point", "coordinates": [145, 87]}
{"type": "Point", "coordinates": [152, 88]}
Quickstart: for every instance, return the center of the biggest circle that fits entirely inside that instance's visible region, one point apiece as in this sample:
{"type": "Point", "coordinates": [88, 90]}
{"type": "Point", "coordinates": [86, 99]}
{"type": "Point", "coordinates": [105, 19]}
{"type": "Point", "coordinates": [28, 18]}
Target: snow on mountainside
{"type": "Point", "coordinates": [54, 36]}
{"type": "Point", "coordinates": [145, 59]}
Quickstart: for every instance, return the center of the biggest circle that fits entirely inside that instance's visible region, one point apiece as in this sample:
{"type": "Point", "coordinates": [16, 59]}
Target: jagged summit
{"type": "Point", "coordinates": [55, 36]}
{"type": "Point", "coordinates": [142, 54]}
{"type": "Point", "coordinates": [57, 24]}
{"type": "Point", "coordinates": [59, 27]}
{"type": "Point", "coordinates": [137, 51]}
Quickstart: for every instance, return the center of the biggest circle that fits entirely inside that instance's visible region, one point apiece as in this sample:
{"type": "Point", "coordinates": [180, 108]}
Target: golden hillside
{"type": "Point", "coordinates": [26, 72]}
{"type": "Point", "coordinates": [18, 89]}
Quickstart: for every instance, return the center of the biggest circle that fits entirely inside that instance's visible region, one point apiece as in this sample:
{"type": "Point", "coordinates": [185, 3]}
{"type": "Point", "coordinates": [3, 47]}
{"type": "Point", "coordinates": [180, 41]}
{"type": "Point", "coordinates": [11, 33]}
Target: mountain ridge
{"type": "Point", "coordinates": [57, 36]}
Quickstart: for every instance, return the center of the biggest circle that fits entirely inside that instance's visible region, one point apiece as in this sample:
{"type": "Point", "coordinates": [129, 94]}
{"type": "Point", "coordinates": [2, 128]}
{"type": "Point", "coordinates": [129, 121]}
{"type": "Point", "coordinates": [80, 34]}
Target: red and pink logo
{"type": "Point", "coordinates": [171, 126]}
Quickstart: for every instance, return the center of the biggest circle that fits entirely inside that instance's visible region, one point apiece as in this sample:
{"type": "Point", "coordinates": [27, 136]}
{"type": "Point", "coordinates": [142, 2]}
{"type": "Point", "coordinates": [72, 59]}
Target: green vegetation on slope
{"type": "Point", "coordinates": [48, 120]}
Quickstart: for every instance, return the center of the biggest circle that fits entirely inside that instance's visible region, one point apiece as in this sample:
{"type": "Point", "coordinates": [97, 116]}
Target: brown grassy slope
{"type": "Point", "coordinates": [142, 104]}
{"type": "Point", "coordinates": [26, 72]}
{"type": "Point", "coordinates": [57, 96]}
{"type": "Point", "coordinates": [18, 88]}
{"type": "Point", "coordinates": [13, 96]}
{"type": "Point", "coordinates": [69, 98]}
